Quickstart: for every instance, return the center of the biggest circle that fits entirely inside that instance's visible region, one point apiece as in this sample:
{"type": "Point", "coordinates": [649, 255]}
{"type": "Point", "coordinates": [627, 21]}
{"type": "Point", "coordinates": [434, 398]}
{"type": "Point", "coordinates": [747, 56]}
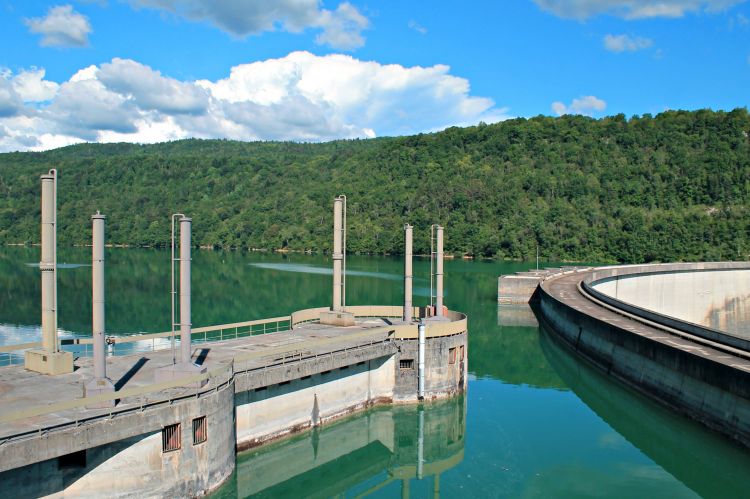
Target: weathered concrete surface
{"type": "Point", "coordinates": [707, 384]}
{"type": "Point", "coordinates": [718, 299]}
{"type": "Point", "coordinates": [446, 370]}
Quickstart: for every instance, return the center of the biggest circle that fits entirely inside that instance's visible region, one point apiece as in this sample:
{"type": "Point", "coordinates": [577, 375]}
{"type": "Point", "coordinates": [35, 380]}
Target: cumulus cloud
{"type": "Point", "coordinates": [298, 97]}
{"type": "Point", "coordinates": [61, 27]}
{"type": "Point", "coordinates": [31, 86]}
{"type": "Point", "coordinates": [632, 9]}
{"type": "Point", "coordinates": [341, 28]}
{"type": "Point", "coordinates": [586, 105]}
{"type": "Point", "coordinates": [625, 43]}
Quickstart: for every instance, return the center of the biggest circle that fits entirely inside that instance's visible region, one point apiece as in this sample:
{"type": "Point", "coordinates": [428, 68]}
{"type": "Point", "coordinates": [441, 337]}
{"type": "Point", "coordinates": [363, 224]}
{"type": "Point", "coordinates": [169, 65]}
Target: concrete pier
{"type": "Point", "coordinates": [254, 389]}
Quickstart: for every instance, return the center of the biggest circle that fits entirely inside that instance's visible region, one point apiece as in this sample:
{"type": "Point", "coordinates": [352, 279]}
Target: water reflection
{"type": "Point", "coordinates": [704, 461]}
{"type": "Point", "coordinates": [385, 450]}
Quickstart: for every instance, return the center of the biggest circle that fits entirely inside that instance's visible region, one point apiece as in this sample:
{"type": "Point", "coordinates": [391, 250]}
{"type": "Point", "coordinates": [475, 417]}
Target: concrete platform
{"type": "Point", "coordinates": [23, 390]}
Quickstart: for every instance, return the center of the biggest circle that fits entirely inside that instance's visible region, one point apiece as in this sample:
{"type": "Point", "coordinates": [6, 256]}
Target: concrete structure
{"type": "Point", "coordinates": [49, 359]}
{"type": "Point", "coordinates": [518, 288]}
{"type": "Point", "coordinates": [273, 385]}
{"type": "Point", "coordinates": [408, 273]}
{"type": "Point", "coordinates": [338, 316]}
{"type": "Point", "coordinates": [186, 366]}
{"type": "Point", "coordinates": [439, 272]}
{"type": "Point", "coordinates": [99, 383]}
{"type": "Point", "coordinates": [698, 371]}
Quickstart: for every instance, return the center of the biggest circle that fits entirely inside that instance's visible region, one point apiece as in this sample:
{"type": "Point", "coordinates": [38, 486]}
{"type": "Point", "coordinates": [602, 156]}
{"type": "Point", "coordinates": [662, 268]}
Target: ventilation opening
{"type": "Point", "coordinates": [72, 460]}
{"type": "Point", "coordinates": [170, 438]}
{"type": "Point", "coordinates": [452, 355]}
{"type": "Point", "coordinates": [461, 353]}
{"type": "Point", "coordinates": [406, 364]}
{"type": "Point", "coordinates": [200, 430]}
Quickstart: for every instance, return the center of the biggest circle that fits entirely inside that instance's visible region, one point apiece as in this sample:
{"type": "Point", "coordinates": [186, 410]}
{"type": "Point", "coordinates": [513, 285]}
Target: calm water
{"type": "Point", "coordinates": [535, 422]}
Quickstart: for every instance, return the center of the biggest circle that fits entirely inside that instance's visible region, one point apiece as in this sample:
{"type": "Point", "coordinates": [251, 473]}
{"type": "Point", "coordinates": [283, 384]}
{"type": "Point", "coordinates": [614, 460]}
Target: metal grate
{"type": "Point", "coordinates": [170, 438]}
{"type": "Point", "coordinates": [406, 364]}
{"type": "Point", "coordinates": [200, 430]}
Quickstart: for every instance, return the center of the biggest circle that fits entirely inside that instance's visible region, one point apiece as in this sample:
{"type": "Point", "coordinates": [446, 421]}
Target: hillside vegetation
{"type": "Point", "coordinates": [671, 187]}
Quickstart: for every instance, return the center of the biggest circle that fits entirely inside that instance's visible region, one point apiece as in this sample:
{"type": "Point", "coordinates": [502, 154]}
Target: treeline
{"type": "Point", "coordinates": [671, 187]}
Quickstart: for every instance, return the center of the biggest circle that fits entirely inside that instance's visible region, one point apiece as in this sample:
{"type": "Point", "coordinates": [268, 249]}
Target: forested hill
{"type": "Point", "coordinates": [671, 187]}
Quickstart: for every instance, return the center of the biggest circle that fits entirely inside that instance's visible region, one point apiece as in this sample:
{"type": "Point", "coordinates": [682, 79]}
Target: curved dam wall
{"type": "Point", "coordinates": [703, 379]}
{"type": "Point", "coordinates": [717, 298]}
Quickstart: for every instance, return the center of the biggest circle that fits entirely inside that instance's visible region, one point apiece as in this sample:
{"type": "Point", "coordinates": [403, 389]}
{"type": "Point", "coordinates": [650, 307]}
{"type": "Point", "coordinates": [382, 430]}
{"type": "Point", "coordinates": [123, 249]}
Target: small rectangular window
{"type": "Point", "coordinates": [170, 438]}
{"type": "Point", "coordinates": [452, 355]}
{"type": "Point", "coordinates": [200, 430]}
{"type": "Point", "coordinates": [461, 353]}
{"type": "Point", "coordinates": [406, 364]}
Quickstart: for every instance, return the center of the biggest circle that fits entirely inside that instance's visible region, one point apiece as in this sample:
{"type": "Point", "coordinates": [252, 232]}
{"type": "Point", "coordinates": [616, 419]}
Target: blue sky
{"type": "Point", "coordinates": [153, 70]}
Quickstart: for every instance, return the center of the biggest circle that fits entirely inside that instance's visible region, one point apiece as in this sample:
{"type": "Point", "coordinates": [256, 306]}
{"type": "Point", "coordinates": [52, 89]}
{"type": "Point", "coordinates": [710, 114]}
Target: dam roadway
{"type": "Point", "coordinates": [698, 371]}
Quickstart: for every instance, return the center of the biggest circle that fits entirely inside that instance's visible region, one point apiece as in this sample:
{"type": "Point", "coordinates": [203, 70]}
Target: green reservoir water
{"type": "Point", "coordinates": [535, 421]}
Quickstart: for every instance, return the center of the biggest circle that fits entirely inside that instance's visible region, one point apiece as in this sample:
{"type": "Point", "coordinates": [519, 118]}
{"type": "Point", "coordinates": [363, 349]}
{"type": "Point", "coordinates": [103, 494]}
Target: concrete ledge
{"type": "Point", "coordinates": [340, 319]}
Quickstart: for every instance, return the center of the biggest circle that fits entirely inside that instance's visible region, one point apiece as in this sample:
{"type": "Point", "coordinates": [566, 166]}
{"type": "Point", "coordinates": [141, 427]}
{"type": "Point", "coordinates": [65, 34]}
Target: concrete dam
{"type": "Point", "coordinates": [169, 422]}
{"type": "Point", "coordinates": [678, 333]}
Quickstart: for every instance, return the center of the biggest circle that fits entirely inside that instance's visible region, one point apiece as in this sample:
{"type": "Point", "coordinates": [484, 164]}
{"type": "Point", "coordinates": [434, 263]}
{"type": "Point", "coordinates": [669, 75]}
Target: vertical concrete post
{"type": "Point", "coordinates": [439, 273]}
{"type": "Point", "coordinates": [408, 308]}
{"type": "Point", "coordinates": [97, 293]}
{"type": "Point", "coordinates": [48, 263]}
{"type": "Point", "coordinates": [338, 253]}
{"type": "Point", "coordinates": [100, 384]}
{"type": "Point", "coordinates": [49, 359]}
{"type": "Point", "coordinates": [420, 359]}
{"type": "Point", "coordinates": [185, 324]}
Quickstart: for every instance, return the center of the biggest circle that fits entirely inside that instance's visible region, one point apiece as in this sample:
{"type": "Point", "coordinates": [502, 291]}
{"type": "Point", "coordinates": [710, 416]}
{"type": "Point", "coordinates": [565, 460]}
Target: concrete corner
{"type": "Point", "coordinates": [44, 362]}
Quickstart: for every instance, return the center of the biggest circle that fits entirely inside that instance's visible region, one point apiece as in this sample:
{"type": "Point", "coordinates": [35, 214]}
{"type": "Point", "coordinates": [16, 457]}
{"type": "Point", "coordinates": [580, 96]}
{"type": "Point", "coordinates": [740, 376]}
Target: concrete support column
{"type": "Point", "coordinates": [420, 360]}
{"type": "Point", "coordinates": [338, 254]}
{"type": "Point", "coordinates": [408, 308]}
{"type": "Point", "coordinates": [185, 324]}
{"type": "Point", "coordinates": [48, 263]}
{"type": "Point", "coordinates": [97, 293]}
{"type": "Point", "coordinates": [439, 273]}
{"type": "Point", "coordinates": [100, 384]}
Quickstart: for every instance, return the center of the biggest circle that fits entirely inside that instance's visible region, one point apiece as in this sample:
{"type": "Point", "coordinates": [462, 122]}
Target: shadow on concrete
{"type": "Point", "coordinates": [131, 372]}
{"type": "Point", "coordinates": [202, 356]}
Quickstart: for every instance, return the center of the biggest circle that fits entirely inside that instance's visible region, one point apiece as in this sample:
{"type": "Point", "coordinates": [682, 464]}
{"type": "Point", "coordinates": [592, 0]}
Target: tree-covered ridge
{"type": "Point", "coordinates": [671, 187]}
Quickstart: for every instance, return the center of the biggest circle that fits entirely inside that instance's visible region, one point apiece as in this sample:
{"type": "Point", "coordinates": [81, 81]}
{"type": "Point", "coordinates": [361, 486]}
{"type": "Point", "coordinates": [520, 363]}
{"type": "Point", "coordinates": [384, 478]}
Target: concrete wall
{"type": "Point", "coordinates": [713, 393]}
{"type": "Point", "coordinates": [270, 412]}
{"type": "Point", "coordinates": [719, 299]}
{"type": "Point", "coordinates": [136, 466]}
{"type": "Point", "coordinates": [442, 378]}
{"type": "Point", "coordinates": [516, 288]}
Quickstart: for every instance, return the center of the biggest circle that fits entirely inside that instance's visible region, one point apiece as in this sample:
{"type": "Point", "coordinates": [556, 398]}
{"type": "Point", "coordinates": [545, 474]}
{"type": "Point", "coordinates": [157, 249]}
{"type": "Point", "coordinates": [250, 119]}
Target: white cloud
{"type": "Point", "coordinates": [31, 86]}
{"type": "Point", "coordinates": [586, 105]}
{"type": "Point", "coordinates": [61, 27]}
{"type": "Point", "coordinates": [625, 43]}
{"type": "Point", "coordinates": [298, 97]}
{"type": "Point", "coordinates": [417, 27]}
{"type": "Point", "coordinates": [341, 28]}
{"type": "Point", "coordinates": [632, 9]}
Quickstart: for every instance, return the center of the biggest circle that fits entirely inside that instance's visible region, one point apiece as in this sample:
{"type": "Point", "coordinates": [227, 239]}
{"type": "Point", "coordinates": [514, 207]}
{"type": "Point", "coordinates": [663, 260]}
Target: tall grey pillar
{"type": "Point", "coordinates": [185, 325]}
{"type": "Point", "coordinates": [439, 273]}
{"type": "Point", "coordinates": [338, 253]}
{"type": "Point", "coordinates": [97, 292]}
{"type": "Point", "coordinates": [408, 276]}
{"type": "Point", "coordinates": [48, 263]}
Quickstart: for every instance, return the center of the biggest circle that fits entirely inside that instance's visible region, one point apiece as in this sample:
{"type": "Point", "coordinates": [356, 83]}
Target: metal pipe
{"type": "Point", "coordinates": [185, 325]}
{"type": "Point", "coordinates": [338, 253]}
{"type": "Point", "coordinates": [408, 308]}
{"type": "Point", "coordinates": [420, 359]}
{"type": "Point", "coordinates": [48, 263]}
{"type": "Point", "coordinates": [97, 293]}
{"type": "Point", "coordinates": [439, 273]}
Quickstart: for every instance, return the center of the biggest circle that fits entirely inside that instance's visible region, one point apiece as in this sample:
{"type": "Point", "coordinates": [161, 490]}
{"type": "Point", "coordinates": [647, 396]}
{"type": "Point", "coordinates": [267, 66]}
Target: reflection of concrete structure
{"type": "Point", "coordinates": [699, 371]}
{"type": "Point", "coordinates": [516, 314]}
{"type": "Point", "coordinates": [678, 445]}
{"type": "Point", "coordinates": [382, 443]}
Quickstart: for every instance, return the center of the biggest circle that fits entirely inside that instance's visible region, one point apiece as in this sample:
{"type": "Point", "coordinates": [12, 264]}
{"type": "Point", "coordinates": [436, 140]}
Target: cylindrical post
{"type": "Point", "coordinates": [185, 324]}
{"type": "Point", "coordinates": [420, 447]}
{"type": "Point", "coordinates": [48, 263]}
{"type": "Point", "coordinates": [338, 252]}
{"type": "Point", "coordinates": [439, 273]}
{"type": "Point", "coordinates": [420, 359]}
{"type": "Point", "coordinates": [408, 309]}
{"type": "Point", "coordinates": [97, 292]}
